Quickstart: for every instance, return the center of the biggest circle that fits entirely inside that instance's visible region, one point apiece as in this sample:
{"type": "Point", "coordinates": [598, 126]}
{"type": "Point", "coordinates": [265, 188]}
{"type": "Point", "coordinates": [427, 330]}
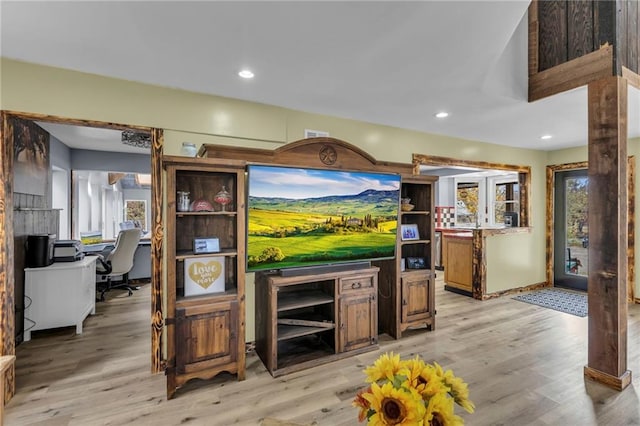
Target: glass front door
{"type": "Point", "coordinates": [571, 229]}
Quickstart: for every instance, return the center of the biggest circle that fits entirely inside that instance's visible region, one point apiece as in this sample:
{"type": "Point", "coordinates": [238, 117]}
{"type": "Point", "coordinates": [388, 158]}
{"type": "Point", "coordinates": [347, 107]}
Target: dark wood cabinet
{"type": "Point", "coordinates": [358, 322]}
{"type": "Point", "coordinates": [407, 283]}
{"type": "Point", "coordinates": [207, 336]}
{"type": "Point", "coordinates": [417, 292]}
{"type": "Point", "coordinates": [306, 320]}
{"type": "Point", "coordinates": [205, 319]}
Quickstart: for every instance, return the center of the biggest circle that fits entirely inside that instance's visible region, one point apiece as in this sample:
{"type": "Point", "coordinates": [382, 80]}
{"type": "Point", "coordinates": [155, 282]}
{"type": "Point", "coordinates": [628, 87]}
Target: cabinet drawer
{"type": "Point", "coordinates": [356, 283]}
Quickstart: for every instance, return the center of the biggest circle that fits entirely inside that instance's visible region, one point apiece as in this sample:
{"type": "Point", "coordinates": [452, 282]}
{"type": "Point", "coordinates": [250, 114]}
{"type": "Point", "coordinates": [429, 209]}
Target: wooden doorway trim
{"type": "Point", "coordinates": [524, 176]}
{"type": "Point", "coordinates": [631, 255]}
{"type": "Point", "coordinates": [7, 326]}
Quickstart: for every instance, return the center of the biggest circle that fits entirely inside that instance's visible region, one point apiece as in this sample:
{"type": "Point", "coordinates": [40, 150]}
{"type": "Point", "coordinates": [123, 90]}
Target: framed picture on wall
{"type": "Point", "coordinates": [136, 212]}
{"type": "Point", "coordinates": [30, 158]}
{"type": "Point", "coordinates": [409, 232]}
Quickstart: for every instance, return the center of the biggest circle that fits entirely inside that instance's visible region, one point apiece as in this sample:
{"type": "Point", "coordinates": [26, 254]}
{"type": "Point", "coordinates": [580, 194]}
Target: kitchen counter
{"type": "Point", "coordinates": [464, 257]}
{"type": "Point", "coordinates": [486, 229]}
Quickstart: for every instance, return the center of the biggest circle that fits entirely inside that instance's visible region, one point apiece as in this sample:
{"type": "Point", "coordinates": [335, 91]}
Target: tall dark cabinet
{"type": "Point", "coordinates": [205, 291]}
{"type": "Point", "coordinates": [407, 283]}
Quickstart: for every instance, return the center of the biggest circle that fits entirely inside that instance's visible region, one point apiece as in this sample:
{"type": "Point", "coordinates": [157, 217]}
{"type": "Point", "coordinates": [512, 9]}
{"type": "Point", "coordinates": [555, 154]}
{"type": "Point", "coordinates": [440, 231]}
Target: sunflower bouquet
{"type": "Point", "coordinates": [411, 392]}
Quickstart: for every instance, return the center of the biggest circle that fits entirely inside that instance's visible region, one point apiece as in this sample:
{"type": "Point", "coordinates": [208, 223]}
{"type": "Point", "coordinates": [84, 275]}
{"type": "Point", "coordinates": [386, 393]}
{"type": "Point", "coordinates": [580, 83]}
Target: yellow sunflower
{"type": "Point", "coordinates": [440, 412]}
{"type": "Point", "coordinates": [416, 362]}
{"type": "Point", "coordinates": [402, 407]}
{"type": "Point", "coordinates": [385, 367]}
{"type": "Point", "coordinates": [458, 389]}
{"type": "Point", "coordinates": [360, 402]}
{"type": "Point", "coordinates": [423, 378]}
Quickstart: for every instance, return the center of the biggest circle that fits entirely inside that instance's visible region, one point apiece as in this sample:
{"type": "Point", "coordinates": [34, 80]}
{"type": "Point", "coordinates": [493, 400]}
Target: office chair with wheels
{"type": "Point", "coordinates": [119, 261]}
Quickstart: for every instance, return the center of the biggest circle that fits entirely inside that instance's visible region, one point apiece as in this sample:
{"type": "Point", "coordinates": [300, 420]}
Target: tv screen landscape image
{"type": "Point", "coordinates": [299, 217]}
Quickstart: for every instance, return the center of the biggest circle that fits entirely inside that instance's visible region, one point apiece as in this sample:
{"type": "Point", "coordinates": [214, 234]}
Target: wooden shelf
{"type": "Point", "coordinates": [212, 297]}
{"type": "Point", "coordinates": [181, 214]}
{"type": "Point", "coordinates": [416, 212]}
{"type": "Point", "coordinates": [302, 299]}
{"type": "Point", "coordinates": [286, 332]}
{"type": "Point", "coordinates": [303, 352]}
{"type": "Point", "coordinates": [410, 272]}
{"type": "Point", "coordinates": [415, 242]}
{"type": "Point", "coordinates": [188, 254]}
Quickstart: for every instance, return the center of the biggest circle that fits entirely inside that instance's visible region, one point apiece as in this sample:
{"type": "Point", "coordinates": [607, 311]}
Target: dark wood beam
{"type": "Point", "coordinates": [158, 362]}
{"type": "Point", "coordinates": [7, 303]}
{"type": "Point", "coordinates": [569, 75]}
{"type": "Point", "coordinates": [608, 235]}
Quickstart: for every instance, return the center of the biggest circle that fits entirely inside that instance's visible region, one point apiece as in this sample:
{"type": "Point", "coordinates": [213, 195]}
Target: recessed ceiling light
{"type": "Point", "coordinates": [545, 137]}
{"type": "Point", "coordinates": [246, 74]}
{"type": "Point", "coordinates": [442, 114]}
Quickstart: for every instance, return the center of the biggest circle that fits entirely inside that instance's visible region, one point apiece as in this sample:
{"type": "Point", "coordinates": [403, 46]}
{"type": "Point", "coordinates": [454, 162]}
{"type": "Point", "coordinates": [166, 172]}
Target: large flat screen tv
{"type": "Point", "coordinates": [298, 217]}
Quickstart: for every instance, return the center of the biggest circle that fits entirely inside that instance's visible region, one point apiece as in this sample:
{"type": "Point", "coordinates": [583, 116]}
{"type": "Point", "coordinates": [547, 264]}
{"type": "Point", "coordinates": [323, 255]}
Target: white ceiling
{"type": "Point", "coordinates": [392, 63]}
{"type": "Point", "coordinates": [91, 138]}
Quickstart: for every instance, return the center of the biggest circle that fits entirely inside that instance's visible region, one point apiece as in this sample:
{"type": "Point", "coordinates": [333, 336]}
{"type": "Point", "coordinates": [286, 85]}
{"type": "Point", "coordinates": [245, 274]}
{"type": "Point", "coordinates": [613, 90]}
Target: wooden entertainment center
{"type": "Point", "coordinates": [301, 320]}
{"type": "Point", "coordinates": [306, 320]}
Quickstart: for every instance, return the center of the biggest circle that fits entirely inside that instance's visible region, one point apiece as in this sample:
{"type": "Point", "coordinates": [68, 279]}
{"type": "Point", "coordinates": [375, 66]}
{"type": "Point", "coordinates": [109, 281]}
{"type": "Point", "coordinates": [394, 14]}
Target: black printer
{"type": "Point", "coordinates": [68, 251]}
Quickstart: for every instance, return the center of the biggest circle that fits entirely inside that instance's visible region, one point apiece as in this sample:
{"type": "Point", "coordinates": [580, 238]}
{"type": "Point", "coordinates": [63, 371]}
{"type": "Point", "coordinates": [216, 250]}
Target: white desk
{"type": "Point", "coordinates": [62, 294]}
{"type": "Point", "coordinates": [97, 248]}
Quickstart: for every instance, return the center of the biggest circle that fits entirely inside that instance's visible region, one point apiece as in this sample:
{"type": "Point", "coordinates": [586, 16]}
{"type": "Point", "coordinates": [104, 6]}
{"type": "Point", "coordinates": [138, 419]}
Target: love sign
{"type": "Point", "coordinates": [203, 275]}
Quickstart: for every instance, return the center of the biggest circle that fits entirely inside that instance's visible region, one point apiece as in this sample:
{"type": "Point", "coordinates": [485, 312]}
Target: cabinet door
{"type": "Point", "coordinates": [358, 321]}
{"type": "Point", "coordinates": [415, 298]}
{"type": "Point", "coordinates": [206, 336]}
{"type": "Point", "coordinates": [458, 262]}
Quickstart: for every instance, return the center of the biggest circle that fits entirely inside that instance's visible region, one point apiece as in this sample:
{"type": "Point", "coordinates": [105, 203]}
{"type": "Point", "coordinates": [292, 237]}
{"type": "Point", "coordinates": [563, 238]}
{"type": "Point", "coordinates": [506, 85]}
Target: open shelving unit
{"type": "Point", "coordinates": [306, 320]}
{"type": "Point", "coordinates": [205, 326]}
{"type": "Point", "coordinates": [408, 295]}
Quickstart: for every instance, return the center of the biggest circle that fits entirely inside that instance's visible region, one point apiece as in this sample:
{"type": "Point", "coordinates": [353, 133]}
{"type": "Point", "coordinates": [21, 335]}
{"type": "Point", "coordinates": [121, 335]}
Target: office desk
{"type": "Point", "coordinates": [97, 248]}
{"type": "Point", "coordinates": [62, 294]}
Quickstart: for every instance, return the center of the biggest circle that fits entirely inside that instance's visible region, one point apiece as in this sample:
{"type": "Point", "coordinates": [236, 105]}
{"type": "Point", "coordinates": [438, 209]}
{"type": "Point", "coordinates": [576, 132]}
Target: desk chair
{"type": "Point", "coordinates": [119, 261]}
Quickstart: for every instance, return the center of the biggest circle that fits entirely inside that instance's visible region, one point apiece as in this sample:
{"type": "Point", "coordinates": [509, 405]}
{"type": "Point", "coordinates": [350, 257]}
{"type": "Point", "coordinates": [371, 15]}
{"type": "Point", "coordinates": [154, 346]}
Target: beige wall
{"type": "Point", "coordinates": [201, 119]}
{"type": "Point", "coordinates": [508, 267]}
{"type": "Point", "coordinates": [574, 155]}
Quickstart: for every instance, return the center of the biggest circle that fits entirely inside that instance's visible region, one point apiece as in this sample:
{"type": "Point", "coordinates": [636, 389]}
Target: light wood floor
{"type": "Point", "coordinates": [524, 365]}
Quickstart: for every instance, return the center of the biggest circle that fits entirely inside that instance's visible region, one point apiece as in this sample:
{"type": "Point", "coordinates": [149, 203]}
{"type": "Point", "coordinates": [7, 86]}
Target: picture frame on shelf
{"type": "Point", "coordinates": [416, 263]}
{"type": "Point", "coordinates": [403, 264]}
{"type": "Point", "coordinates": [205, 245]}
{"type": "Point", "coordinates": [409, 232]}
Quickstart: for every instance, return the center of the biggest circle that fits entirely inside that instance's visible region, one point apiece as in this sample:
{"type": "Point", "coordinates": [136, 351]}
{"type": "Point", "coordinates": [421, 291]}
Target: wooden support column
{"type": "Point", "coordinates": [607, 358]}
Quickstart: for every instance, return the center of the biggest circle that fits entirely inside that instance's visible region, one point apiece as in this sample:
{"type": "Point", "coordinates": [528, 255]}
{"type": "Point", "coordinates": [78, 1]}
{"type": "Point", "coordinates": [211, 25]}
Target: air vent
{"type": "Point", "coordinates": [315, 134]}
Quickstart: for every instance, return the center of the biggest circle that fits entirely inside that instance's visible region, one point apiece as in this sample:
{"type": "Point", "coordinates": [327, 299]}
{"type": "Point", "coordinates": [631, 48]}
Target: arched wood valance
{"type": "Point", "coordinates": [323, 152]}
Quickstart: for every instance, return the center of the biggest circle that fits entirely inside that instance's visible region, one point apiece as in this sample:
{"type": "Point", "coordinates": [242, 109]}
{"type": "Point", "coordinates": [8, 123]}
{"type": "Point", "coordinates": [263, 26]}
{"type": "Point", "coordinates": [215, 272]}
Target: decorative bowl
{"type": "Point", "coordinates": [201, 206]}
{"type": "Point", "coordinates": [406, 207]}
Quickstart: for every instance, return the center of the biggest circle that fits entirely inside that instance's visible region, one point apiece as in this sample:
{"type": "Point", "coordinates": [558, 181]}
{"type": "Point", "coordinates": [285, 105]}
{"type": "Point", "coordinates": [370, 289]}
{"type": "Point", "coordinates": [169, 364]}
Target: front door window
{"type": "Point", "coordinates": [571, 229]}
